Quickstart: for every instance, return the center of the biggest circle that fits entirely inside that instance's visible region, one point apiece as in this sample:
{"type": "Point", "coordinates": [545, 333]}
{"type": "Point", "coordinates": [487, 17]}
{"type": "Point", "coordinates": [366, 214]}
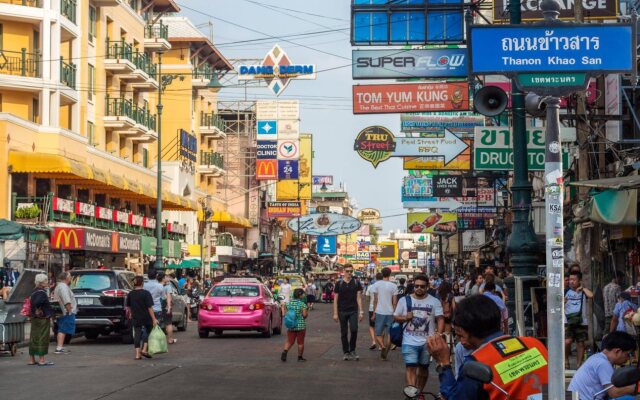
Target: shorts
{"type": "Point", "coordinates": [67, 324]}
{"type": "Point", "coordinates": [372, 324]}
{"type": "Point", "coordinates": [160, 317]}
{"type": "Point", "coordinates": [578, 333]}
{"type": "Point", "coordinates": [292, 336]}
{"type": "Point", "coordinates": [383, 323]}
{"type": "Point", "coordinates": [415, 356]}
{"type": "Point", "coordinates": [311, 298]}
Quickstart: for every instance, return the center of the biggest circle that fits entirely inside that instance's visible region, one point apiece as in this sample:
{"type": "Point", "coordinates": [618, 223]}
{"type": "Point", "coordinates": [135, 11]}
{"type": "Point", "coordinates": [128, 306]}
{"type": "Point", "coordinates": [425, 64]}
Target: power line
{"type": "Point", "coordinates": [302, 12]}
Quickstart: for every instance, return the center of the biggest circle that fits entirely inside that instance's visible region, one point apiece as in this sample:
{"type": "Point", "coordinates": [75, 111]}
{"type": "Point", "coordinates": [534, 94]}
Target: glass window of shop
{"type": "Point", "coordinates": [43, 187]}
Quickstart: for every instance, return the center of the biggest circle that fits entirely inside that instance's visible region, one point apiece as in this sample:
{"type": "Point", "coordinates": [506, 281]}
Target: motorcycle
{"type": "Point", "coordinates": [194, 303]}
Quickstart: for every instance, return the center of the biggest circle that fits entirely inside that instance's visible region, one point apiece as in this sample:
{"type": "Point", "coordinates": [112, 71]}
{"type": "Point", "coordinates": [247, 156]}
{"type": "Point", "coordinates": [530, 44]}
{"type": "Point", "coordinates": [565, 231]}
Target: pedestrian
{"type": "Point", "coordinates": [140, 310]}
{"type": "Point", "coordinates": [445, 296]}
{"type": "Point", "coordinates": [575, 311]}
{"type": "Point", "coordinates": [207, 283]}
{"type": "Point", "coordinates": [384, 302]}
{"type": "Point", "coordinates": [310, 291]}
{"type": "Point", "coordinates": [476, 282]}
{"type": "Point", "coordinates": [69, 308]}
{"type": "Point", "coordinates": [188, 288]}
{"type": "Point", "coordinates": [41, 313]}
{"type": "Point", "coordinates": [155, 288]}
{"type": "Point", "coordinates": [182, 281]}
{"type": "Point", "coordinates": [620, 311]}
{"type": "Point", "coordinates": [424, 320]}
{"type": "Point", "coordinates": [347, 309]}
{"type": "Point", "coordinates": [595, 375]}
{"type": "Point", "coordinates": [410, 288]}
{"type": "Point", "coordinates": [372, 323]}
{"type": "Point", "coordinates": [477, 326]}
{"type": "Point", "coordinates": [489, 277]}
{"type": "Point", "coordinates": [490, 292]}
{"type": "Point", "coordinates": [610, 293]}
{"type": "Point", "coordinates": [402, 289]}
{"type": "Point", "coordinates": [285, 290]}
{"type": "Point", "coordinates": [299, 331]}
{"type": "Point", "coordinates": [167, 306]}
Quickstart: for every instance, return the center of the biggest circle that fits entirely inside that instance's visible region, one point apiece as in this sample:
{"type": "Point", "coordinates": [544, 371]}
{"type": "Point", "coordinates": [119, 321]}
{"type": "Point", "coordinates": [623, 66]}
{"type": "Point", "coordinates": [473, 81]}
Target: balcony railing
{"type": "Point", "coordinates": [118, 107]}
{"type": "Point", "coordinates": [211, 120]}
{"type": "Point", "coordinates": [20, 63]}
{"type": "Point", "coordinates": [157, 31]}
{"type": "Point", "coordinates": [119, 50]}
{"type": "Point", "coordinates": [68, 9]}
{"type": "Point", "coordinates": [28, 3]}
{"type": "Point", "coordinates": [211, 158]}
{"type": "Point", "coordinates": [68, 73]}
{"type": "Point", "coordinates": [143, 62]}
{"type": "Point", "coordinates": [144, 117]}
{"type": "Point", "coordinates": [203, 73]}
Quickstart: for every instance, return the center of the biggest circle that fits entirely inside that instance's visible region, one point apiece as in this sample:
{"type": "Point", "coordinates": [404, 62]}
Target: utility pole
{"type": "Point", "coordinates": [158, 264]}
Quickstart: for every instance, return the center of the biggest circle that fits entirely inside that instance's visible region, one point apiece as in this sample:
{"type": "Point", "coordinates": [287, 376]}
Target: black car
{"type": "Point", "coordinates": [101, 295]}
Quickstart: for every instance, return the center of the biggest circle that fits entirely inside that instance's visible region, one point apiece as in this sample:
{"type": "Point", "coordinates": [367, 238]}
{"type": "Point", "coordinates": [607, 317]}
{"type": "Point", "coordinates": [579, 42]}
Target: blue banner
{"type": "Point", "coordinates": [327, 245]}
{"type": "Point", "coordinates": [526, 48]}
{"type": "Point", "coordinates": [287, 169]}
{"type": "Point", "coordinates": [406, 64]}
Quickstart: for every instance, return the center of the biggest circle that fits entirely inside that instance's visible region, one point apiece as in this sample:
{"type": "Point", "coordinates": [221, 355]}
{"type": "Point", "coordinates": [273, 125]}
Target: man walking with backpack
{"type": "Point", "coordinates": [347, 309]}
{"type": "Point", "coordinates": [419, 313]}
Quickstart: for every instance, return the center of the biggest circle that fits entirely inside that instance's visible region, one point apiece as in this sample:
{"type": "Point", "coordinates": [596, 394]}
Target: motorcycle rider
{"type": "Point", "coordinates": [477, 324]}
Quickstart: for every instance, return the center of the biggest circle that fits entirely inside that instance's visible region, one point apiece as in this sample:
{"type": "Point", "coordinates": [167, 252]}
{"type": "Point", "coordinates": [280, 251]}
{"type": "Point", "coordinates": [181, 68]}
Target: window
{"type": "Point", "coordinates": [92, 82]}
{"type": "Point", "coordinates": [1, 37]}
{"type": "Point", "coordinates": [145, 158]}
{"type": "Point", "coordinates": [93, 28]}
{"type": "Point", "coordinates": [92, 282]}
{"type": "Point", "coordinates": [370, 27]}
{"type": "Point", "coordinates": [35, 111]}
{"type": "Point", "coordinates": [91, 134]}
{"type": "Point", "coordinates": [235, 291]}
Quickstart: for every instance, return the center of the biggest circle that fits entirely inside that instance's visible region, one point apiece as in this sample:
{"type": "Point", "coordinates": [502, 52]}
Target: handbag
{"type": "Point", "coordinates": [25, 311]}
{"type": "Point", "coordinates": [397, 329]}
{"type": "Point", "coordinates": [575, 319]}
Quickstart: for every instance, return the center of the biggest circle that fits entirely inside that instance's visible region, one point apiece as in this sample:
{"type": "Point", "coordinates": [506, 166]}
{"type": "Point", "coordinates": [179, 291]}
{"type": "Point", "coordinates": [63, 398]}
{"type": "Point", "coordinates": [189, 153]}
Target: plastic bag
{"type": "Point", "coordinates": [157, 341]}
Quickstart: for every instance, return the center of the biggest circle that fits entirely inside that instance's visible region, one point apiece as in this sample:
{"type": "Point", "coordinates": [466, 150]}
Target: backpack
{"type": "Point", "coordinates": [290, 319]}
{"type": "Point", "coordinates": [397, 329]}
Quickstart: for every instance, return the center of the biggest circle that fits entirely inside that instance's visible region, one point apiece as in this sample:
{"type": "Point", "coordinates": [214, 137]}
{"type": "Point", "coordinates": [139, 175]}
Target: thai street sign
{"type": "Point", "coordinates": [592, 9]}
{"type": "Point", "coordinates": [456, 121]}
{"type": "Point", "coordinates": [410, 97]}
{"type": "Point", "coordinates": [376, 144]}
{"type": "Point", "coordinates": [369, 216]}
{"type": "Point", "coordinates": [425, 222]}
{"type": "Point", "coordinates": [325, 224]}
{"type": "Point", "coordinates": [410, 63]}
{"type": "Point", "coordinates": [493, 150]}
{"type": "Point", "coordinates": [591, 48]}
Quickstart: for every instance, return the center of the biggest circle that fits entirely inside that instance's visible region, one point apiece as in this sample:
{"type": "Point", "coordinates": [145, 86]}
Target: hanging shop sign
{"type": "Point", "coordinates": [416, 187]}
{"type": "Point", "coordinates": [283, 209]}
{"type": "Point", "coordinates": [407, 64]}
{"type": "Point", "coordinates": [327, 245]}
{"type": "Point", "coordinates": [67, 238]}
{"type": "Point", "coordinates": [288, 129]}
{"type": "Point", "coordinates": [277, 70]}
{"type": "Point", "coordinates": [63, 205]}
{"type": "Point", "coordinates": [425, 222]}
{"type": "Point", "coordinates": [288, 169]}
{"type": "Point", "coordinates": [592, 10]}
{"type": "Point", "coordinates": [288, 149]}
{"type": "Point", "coordinates": [188, 146]}
{"type": "Point", "coordinates": [323, 179]}
{"type": "Point", "coordinates": [410, 97]}
{"type": "Point", "coordinates": [473, 239]}
{"type": "Point", "coordinates": [325, 224]}
{"type": "Point", "coordinates": [388, 251]}
{"type": "Point", "coordinates": [267, 149]}
{"type": "Point", "coordinates": [266, 169]}
{"type": "Point", "coordinates": [177, 228]}
{"type": "Point", "coordinates": [363, 256]}
{"type": "Point", "coordinates": [447, 185]}
{"type": "Point", "coordinates": [370, 216]}
{"type": "Point", "coordinates": [462, 122]}
{"type": "Point", "coordinates": [267, 130]}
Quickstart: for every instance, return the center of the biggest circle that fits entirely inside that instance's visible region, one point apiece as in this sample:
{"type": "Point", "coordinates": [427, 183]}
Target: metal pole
{"type": "Point", "coordinates": [299, 239]}
{"type": "Point", "coordinates": [440, 256]}
{"type": "Point", "coordinates": [158, 264]}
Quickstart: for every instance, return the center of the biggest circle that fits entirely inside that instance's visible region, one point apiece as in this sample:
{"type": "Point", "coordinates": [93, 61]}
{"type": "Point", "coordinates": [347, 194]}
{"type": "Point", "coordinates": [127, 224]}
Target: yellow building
{"type": "Point", "coordinates": [78, 125]}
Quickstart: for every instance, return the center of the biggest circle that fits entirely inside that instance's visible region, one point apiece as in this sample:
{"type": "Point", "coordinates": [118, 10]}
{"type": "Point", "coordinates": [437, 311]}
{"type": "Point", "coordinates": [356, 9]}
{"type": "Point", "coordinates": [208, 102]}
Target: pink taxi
{"type": "Point", "coordinates": [239, 304]}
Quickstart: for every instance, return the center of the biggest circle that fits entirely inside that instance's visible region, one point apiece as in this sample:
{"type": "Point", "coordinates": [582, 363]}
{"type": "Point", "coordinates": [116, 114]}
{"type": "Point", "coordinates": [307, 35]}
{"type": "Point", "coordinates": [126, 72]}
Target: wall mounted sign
{"type": "Point", "coordinates": [267, 130]}
{"type": "Point", "coordinates": [456, 122]}
{"type": "Point", "coordinates": [424, 222]}
{"type": "Point", "coordinates": [592, 10]}
{"type": "Point", "coordinates": [327, 245]}
{"type": "Point", "coordinates": [283, 209]}
{"type": "Point", "coordinates": [277, 70]}
{"type": "Point", "coordinates": [188, 146]}
{"type": "Point", "coordinates": [447, 185]}
{"type": "Point", "coordinates": [266, 169]}
{"type": "Point", "coordinates": [410, 97]}
{"type": "Point", "coordinates": [288, 169]}
{"type": "Point", "coordinates": [473, 239]}
{"type": "Point", "coordinates": [325, 224]}
{"type": "Point", "coordinates": [410, 63]}
{"type": "Point", "coordinates": [267, 149]}
{"type": "Point", "coordinates": [288, 149]}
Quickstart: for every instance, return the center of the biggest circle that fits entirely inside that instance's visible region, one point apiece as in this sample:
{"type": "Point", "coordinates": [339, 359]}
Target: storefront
{"type": "Point", "coordinates": [171, 251]}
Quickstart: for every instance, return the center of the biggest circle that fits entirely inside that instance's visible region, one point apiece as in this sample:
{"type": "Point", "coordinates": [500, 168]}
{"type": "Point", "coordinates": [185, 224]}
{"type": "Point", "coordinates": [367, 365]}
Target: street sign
{"type": "Point", "coordinates": [410, 97]}
{"type": "Point", "coordinates": [410, 63]}
{"type": "Point", "coordinates": [324, 224]}
{"type": "Point", "coordinates": [493, 150]}
{"type": "Point", "coordinates": [457, 122]}
{"type": "Point", "coordinates": [592, 48]}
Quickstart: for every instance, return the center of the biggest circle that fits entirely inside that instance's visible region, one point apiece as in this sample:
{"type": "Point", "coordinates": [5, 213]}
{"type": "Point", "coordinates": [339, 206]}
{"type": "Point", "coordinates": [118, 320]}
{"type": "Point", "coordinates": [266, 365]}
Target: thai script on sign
{"type": "Point", "coordinates": [549, 42]}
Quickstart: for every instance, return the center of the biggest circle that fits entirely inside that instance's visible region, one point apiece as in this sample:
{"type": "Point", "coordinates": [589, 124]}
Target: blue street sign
{"type": "Point", "coordinates": [287, 169]}
{"type": "Point", "coordinates": [267, 127]}
{"type": "Point", "coordinates": [327, 245]}
{"type": "Point", "coordinates": [406, 64]}
{"type": "Point", "coordinates": [592, 48]}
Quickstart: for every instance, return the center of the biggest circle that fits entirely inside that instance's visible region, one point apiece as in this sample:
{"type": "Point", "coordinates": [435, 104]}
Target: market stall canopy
{"type": "Point", "coordinates": [10, 230]}
{"type": "Point", "coordinates": [624, 182]}
{"type": "Point", "coordinates": [615, 207]}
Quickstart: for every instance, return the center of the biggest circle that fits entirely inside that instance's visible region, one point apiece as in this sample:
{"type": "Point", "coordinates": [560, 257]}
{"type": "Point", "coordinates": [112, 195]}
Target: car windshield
{"type": "Point", "coordinates": [235, 291]}
{"type": "Point", "coordinates": [92, 282]}
{"type": "Point", "coordinates": [295, 281]}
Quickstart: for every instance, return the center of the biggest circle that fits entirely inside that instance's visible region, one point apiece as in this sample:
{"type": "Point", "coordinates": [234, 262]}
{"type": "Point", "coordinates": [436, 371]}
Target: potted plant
{"type": "Point", "coordinates": [28, 214]}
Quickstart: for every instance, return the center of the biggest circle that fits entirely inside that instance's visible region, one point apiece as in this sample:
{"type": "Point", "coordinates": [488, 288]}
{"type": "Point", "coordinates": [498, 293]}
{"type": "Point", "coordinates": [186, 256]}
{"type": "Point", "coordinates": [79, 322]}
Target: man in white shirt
{"type": "Point", "coordinates": [69, 308]}
{"type": "Point", "coordinates": [384, 302]}
{"type": "Point", "coordinates": [285, 290]}
{"type": "Point", "coordinates": [372, 323]}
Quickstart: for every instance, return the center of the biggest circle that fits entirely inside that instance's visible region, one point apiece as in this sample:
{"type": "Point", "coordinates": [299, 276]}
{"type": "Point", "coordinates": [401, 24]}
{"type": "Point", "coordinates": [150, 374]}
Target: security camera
{"type": "Point", "coordinates": [535, 105]}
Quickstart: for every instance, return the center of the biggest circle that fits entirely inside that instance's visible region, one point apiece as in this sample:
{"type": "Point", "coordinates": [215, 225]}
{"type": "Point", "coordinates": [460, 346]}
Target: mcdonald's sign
{"type": "Point", "coordinates": [266, 169]}
{"type": "Point", "coordinates": [67, 238]}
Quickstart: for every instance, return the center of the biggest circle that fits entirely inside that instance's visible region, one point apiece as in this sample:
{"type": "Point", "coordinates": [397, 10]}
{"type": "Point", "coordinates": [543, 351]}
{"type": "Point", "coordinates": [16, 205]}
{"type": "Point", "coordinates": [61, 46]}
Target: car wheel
{"type": "Point", "coordinates": [90, 335]}
{"type": "Point", "coordinates": [217, 332]}
{"type": "Point", "coordinates": [267, 332]}
{"type": "Point", "coordinates": [203, 333]}
{"type": "Point", "coordinates": [183, 324]}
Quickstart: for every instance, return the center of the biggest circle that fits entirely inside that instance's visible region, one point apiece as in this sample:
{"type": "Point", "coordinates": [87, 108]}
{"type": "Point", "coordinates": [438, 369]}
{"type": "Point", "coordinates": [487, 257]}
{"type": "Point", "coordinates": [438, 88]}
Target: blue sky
{"type": "Point", "coordinates": [325, 102]}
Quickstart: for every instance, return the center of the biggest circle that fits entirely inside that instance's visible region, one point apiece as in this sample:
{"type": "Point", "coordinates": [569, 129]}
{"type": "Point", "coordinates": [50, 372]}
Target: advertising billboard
{"type": "Point", "coordinates": [266, 170]}
{"type": "Point", "coordinates": [283, 209]}
{"type": "Point", "coordinates": [325, 224]}
{"type": "Point", "coordinates": [287, 169]}
{"type": "Point", "coordinates": [432, 222]}
{"type": "Point", "coordinates": [388, 251]}
{"type": "Point", "coordinates": [327, 245]}
{"type": "Point", "coordinates": [410, 97]}
{"type": "Point", "coordinates": [288, 189]}
{"type": "Point", "coordinates": [409, 63]}
{"type": "Point", "coordinates": [461, 122]}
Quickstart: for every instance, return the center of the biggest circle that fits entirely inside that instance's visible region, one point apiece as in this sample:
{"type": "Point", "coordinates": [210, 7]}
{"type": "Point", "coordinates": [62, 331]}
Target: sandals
{"type": "Point", "coordinates": [45, 364]}
{"type": "Point", "coordinates": [173, 341]}
{"type": "Point", "coordinates": [146, 355]}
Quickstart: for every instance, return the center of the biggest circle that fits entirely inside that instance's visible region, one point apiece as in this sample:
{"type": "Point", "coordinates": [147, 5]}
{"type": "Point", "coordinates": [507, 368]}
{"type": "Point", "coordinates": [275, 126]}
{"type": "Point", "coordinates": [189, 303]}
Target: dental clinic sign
{"type": "Point", "coordinates": [277, 70]}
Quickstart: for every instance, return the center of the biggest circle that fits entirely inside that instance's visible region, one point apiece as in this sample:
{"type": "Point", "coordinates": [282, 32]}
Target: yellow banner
{"type": "Point", "coordinates": [424, 222]}
{"type": "Point", "coordinates": [288, 189]}
{"type": "Point", "coordinates": [515, 367]}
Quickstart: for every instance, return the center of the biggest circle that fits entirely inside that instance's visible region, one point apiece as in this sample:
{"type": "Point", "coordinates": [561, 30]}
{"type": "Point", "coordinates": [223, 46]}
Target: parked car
{"type": "Point", "coordinates": [239, 304]}
{"type": "Point", "coordinates": [179, 307]}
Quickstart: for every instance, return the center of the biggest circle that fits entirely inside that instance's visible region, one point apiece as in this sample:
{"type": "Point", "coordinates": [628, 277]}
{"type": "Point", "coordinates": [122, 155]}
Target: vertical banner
{"type": "Point", "coordinates": [288, 189]}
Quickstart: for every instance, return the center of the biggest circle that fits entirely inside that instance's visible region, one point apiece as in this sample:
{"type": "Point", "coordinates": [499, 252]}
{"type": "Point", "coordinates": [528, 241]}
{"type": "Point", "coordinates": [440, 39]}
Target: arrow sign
{"type": "Point", "coordinates": [450, 146]}
{"type": "Point", "coordinates": [448, 204]}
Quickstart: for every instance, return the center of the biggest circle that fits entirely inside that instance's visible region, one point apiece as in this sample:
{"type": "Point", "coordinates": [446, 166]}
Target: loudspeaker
{"type": "Point", "coordinates": [535, 105]}
{"type": "Point", "coordinates": [490, 101]}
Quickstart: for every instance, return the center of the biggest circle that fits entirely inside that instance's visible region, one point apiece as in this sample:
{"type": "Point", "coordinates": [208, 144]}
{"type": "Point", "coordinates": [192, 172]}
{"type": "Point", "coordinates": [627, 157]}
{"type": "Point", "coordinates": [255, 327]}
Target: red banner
{"type": "Point", "coordinates": [266, 169]}
{"type": "Point", "coordinates": [410, 97]}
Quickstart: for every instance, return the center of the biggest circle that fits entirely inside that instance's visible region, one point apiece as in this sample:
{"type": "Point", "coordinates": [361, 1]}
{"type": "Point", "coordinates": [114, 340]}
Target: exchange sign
{"type": "Point", "coordinates": [509, 49]}
{"type": "Point", "coordinates": [411, 63]}
{"type": "Point", "coordinates": [593, 10]}
{"type": "Point", "coordinates": [410, 97]}
{"type": "Point", "coordinates": [325, 224]}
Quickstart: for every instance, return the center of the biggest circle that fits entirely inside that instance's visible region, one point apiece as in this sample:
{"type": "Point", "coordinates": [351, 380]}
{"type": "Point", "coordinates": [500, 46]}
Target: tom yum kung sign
{"type": "Point", "coordinates": [410, 97]}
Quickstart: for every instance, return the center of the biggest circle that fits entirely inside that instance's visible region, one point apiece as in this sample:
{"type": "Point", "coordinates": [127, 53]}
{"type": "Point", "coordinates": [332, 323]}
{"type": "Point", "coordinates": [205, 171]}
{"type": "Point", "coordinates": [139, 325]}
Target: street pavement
{"type": "Point", "coordinates": [238, 365]}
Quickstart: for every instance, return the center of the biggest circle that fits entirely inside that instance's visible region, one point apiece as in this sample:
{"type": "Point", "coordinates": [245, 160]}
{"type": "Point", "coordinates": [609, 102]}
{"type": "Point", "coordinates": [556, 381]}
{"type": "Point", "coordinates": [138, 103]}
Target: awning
{"type": "Point", "coordinates": [186, 263]}
{"type": "Point", "coordinates": [10, 230]}
{"type": "Point", "coordinates": [57, 166]}
{"type": "Point", "coordinates": [226, 219]}
{"type": "Point", "coordinates": [615, 207]}
{"type": "Point", "coordinates": [625, 182]}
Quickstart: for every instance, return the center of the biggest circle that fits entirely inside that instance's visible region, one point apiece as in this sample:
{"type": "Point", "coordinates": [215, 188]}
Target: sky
{"type": "Point", "coordinates": [326, 108]}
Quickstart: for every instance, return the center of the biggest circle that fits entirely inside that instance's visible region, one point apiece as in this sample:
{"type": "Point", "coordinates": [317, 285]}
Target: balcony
{"type": "Point", "coordinates": [26, 3]}
{"type": "Point", "coordinates": [156, 37]}
{"type": "Point", "coordinates": [145, 123]}
{"type": "Point", "coordinates": [202, 76]}
{"type": "Point", "coordinates": [119, 114]}
{"type": "Point", "coordinates": [68, 9]}
{"type": "Point", "coordinates": [212, 125]}
{"type": "Point", "coordinates": [119, 57]}
{"type": "Point", "coordinates": [68, 73]}
{"type": "Point", "coordinates": [145, 76]}
{"type": "Point", "coordinates": [211, 163]}
{"type": "Point", "coordinates": [20, 63]}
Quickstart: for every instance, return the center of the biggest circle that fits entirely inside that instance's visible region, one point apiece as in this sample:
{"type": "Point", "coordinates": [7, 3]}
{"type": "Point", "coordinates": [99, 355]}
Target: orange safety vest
{"type": "Point", "coordinates": [519, 366]}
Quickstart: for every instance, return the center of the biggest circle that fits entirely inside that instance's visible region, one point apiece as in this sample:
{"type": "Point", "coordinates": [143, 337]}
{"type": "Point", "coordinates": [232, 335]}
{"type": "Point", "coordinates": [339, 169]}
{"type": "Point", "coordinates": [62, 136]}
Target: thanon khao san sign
{"type": "Point", "coordinates": [277, 70]}
{"type": "Point", "coordinates": [377, 144]}
{"type": "Point", "coordinates": [326, 224]}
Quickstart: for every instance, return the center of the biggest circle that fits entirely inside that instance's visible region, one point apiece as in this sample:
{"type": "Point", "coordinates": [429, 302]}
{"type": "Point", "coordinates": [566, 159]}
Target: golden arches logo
{"type": "Point", "coordinates": [67, 235]}
{"type": "Point", "coordinates": [266, 168]}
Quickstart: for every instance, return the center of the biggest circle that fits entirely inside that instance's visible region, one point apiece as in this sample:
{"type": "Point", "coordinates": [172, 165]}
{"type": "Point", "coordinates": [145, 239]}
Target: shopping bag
{"type": "Point", "coordinates": [157, 341]}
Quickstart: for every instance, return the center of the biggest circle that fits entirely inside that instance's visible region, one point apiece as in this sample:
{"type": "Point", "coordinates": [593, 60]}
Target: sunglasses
{"type": "Point", "coordinates": [420, 286]}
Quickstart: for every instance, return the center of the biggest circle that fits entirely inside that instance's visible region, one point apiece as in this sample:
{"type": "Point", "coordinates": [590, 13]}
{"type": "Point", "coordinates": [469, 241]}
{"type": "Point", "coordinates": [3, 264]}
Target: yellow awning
{"type": "Point", "coordinates": [226, 219]}
{"type": "Point", "coordinates": [193, 250]}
